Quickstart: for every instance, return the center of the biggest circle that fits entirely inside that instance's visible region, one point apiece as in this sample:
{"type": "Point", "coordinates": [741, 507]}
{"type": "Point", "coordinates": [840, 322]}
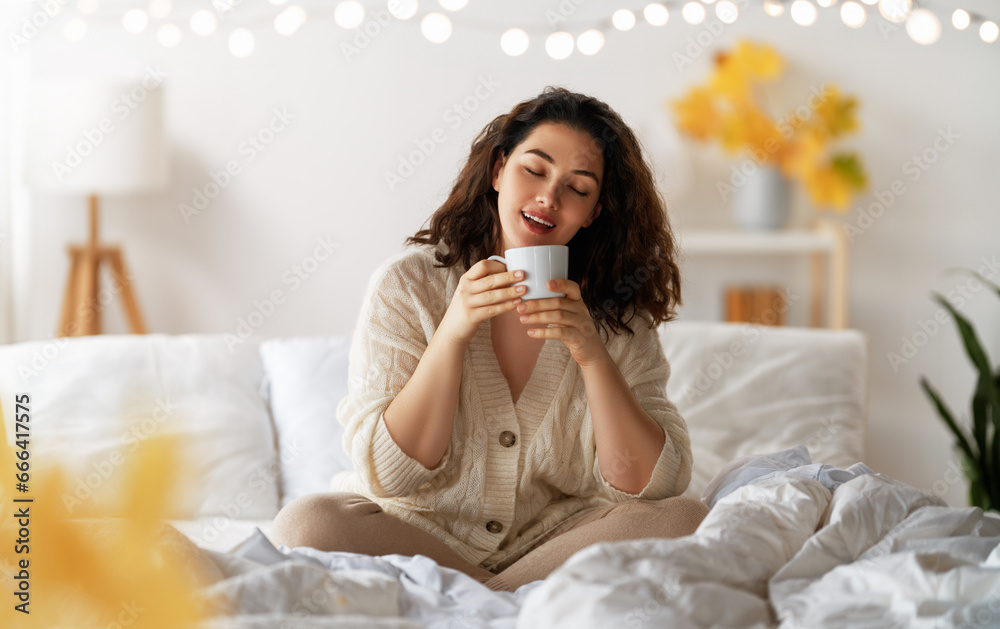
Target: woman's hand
{"type": "Point", "coordinates": [483, 292]}
{"type": "Point", "coordinates": [570, 319]}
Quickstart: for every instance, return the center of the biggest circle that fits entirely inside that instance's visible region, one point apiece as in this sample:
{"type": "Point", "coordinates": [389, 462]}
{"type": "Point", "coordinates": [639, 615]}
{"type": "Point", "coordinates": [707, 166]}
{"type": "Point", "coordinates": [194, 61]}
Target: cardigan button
{"type": "Point", "coordinates": [507, 438]}
{"type": "Point", "coordinates": [493, 526]}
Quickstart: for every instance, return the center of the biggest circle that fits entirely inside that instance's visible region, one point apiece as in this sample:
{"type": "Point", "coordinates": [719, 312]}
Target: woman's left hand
{"type": "Point", "coordinates": [570, 319]}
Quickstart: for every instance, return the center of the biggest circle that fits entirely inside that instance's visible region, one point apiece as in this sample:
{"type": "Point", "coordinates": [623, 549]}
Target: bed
{"type": "Point", "coordinates": [800, 533]}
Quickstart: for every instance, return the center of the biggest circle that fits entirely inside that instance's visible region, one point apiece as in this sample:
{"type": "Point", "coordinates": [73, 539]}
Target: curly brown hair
{"type": "Point", "coordinates": [623, 262]}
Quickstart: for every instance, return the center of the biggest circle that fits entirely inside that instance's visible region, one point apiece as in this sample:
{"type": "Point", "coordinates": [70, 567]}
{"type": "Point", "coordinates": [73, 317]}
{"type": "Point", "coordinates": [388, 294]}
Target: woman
{"type": "Point", "coordinates": [499, 436]}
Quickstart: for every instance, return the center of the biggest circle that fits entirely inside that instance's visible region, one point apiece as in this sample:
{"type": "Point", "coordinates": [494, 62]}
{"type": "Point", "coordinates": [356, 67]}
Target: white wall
{"type": "Point", "coordinates": [323, 176]}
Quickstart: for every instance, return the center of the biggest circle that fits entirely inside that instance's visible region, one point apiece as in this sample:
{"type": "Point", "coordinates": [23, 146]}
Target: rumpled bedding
{"type": "Point", "coordinates": [263, 587]}
{"type": "Point", "coordinates": [787, 545]}
{"type": "Point", "coordinates": [785, 552]}
{"type": "Point", "coordinates": [791, 461]}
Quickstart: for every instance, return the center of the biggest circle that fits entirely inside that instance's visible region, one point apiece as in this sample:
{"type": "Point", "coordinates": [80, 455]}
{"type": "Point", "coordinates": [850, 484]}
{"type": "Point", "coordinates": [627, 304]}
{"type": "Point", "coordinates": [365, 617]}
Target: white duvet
{"type": "Point", "coordinates": [785, 553]}
{"type": "Point", "coordinates": [781, 552]}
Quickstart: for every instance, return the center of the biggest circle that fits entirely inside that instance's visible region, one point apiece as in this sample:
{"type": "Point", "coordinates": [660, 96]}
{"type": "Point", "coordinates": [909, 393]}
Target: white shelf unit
{"type": "Point", "coordinates": [824, 243]}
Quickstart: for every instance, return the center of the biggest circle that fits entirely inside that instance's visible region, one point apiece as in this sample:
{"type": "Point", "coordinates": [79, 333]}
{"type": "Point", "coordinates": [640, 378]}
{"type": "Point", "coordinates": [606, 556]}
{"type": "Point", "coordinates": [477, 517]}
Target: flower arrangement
{"type": "Point", "coordinates": [726, 109]}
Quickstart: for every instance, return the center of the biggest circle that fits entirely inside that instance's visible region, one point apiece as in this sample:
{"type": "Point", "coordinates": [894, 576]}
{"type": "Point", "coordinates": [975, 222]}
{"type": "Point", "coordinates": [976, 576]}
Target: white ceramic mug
{"type": "Point", "coordinates": [540, 264]}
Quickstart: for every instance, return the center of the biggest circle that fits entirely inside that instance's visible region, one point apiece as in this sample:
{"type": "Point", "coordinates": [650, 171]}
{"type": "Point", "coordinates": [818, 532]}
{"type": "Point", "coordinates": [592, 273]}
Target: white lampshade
{"type": "Point", "coordinates": [93, 136]}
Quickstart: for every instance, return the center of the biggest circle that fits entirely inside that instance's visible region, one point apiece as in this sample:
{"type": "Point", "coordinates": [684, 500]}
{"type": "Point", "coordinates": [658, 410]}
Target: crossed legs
{"type": "Point", "coordinates": [353, 523]}
{"type": "Point", "coordinates": [348, 522]}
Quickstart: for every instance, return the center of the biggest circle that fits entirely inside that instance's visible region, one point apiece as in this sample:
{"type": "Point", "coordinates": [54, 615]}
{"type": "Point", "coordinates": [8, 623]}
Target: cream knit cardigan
{"type": "Point", "coordinates": [549, 474]}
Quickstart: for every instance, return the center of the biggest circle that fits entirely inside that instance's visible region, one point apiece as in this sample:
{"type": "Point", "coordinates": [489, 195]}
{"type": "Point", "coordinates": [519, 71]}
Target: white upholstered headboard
{"type": "Point", "coordinates": [750, 389]}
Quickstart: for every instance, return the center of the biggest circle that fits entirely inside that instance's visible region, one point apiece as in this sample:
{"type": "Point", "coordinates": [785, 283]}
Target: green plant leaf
{"type": "Point", "coordinates": [973, 348]}
{"type": "Point", "coordinates": [960, 439]}
{"type": "Point", "coordinates": [981, 424]}
{"type": "Point", "coordinates": [849, 167]}
{"type": "Point", "coordinates": [985, 403]}
{"type": "Point", "coordinates": [961, 270]}
{"type": "Point", "coordinates": [982, 279]}
{"type": "Point", "coordinates": [977, 495]}
{"type": "Point", "coordinates": [992, 392]}
{"type": "Point", "coordinates": [978, 492]}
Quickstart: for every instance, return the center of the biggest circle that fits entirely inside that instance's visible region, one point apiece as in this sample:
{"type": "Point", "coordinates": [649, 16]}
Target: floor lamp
{"type": "Point", "coordinates": [93, 139]}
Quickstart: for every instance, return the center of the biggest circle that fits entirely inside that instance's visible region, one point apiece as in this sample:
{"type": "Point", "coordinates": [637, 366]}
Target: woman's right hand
{"type": "Point", "coordinates": [483, 292]}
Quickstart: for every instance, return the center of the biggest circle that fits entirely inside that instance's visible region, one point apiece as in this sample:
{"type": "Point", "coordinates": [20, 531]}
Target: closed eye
{"type": "Point", "coordinates": [582, 194]}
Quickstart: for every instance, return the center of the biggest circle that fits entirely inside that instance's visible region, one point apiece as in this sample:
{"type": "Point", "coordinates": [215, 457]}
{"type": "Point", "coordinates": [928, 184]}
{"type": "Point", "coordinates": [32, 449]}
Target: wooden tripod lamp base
{"type": "Point", "coordinates": [84, 301]}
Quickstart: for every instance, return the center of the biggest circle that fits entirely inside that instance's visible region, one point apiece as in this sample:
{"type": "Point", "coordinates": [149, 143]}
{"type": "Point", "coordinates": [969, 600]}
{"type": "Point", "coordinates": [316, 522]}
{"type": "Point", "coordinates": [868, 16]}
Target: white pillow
{"type": "Point", "coordinates": [307, 378]}
{"type": "Point", "coordinates": [748, 389]}
{"type": "Point", "coordinates": [93, 399]}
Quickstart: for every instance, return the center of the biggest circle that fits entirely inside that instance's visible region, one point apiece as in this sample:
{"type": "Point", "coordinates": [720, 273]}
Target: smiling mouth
{"type": "Point", "coordinates": [536, 222]}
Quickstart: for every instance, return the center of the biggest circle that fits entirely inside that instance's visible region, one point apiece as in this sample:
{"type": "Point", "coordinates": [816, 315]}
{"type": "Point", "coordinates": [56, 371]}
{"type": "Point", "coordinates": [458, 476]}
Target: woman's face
{"type": "Point", "coordinates": [554, 175]}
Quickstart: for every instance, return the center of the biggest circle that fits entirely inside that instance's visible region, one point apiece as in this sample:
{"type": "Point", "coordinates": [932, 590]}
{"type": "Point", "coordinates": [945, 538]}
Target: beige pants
{"type": "Point", "coordinates": [350, 522]}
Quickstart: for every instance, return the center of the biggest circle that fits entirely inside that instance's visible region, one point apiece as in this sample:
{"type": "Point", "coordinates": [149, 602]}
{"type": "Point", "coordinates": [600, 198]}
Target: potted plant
{"type": "Point", "coordinates": [981, 450]}
{"type": "Point", "coordinates": [795, 146]}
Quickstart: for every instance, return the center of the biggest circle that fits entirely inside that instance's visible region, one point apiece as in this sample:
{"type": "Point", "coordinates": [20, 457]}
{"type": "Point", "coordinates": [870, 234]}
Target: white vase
{"type": "Point", "coordinates": [761, 203]}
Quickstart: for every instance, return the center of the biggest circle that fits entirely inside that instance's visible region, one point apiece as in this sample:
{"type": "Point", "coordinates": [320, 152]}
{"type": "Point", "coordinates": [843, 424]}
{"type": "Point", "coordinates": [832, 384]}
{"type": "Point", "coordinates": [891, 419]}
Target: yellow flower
{"type": "Point", "coordinates": [758, 60]}
{"type": "Point", "coordinates": [749, 128]}
{"type": "Point", "coordinates": [827, 188]}
{"type": "Point", "coordinates": [736, 71]}
{"type": "Point", "coordinates": [697, 114]}
{"type": "Point", "coordinates": [849, 167]}
{"type": "Point", "coordinates": [88, 570]}
{"type": "Point", "coordinates": [802, 154]}
{"type": "Point", "coordinates": [836, 114]}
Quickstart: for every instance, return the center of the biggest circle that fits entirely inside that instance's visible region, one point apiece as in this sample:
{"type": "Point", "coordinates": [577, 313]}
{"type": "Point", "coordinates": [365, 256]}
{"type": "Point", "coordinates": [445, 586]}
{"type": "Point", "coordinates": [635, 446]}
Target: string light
{"type": "Point", "coordinates": [169, 35]}
{"type": "Point", "coordinates": [241, 43]}
{"type": "Point", "coordinates": [559, 45]}
{"type": "Point", "coordinates": [656, 14]}
{"type": "Point", "coordinates": [403, 9]}
{"type": "Point", "coordinates": [203, 23]}
{"type": "Point", "coordinates": [803, 12]}
{"type": "Point", "coordinates": [623, 19]}
{"type": "Point", "coordinates": [514, 42]}
{"type": "Point", "coordinates": [590, 42]}
{"type": "Point", "coordinates": [436, 27]}
{"type": "Point", "coordinates": [895, 10]}
{"type": "Point", "coordinates": [350, 14]}
{"type": "Point", "coordinates": [86, 7]}
{"type": "Point", "coordinates": [774, 8]}
{"type": "Point", "coordinates": [989, 31]}
{"type": "Point", "coordinates": [160, 9]}
{"type": "Point", "coordinates": [960, 19]}
{"type": "Point", "coordinates": [693, 13]}
{"type": "Point", "coordinates": [289, 20]}
{"type": "Point", "coordinates": [922, 25]}
{"type": "Point", "coordinates": [727, 11]}
{"type": "Point", "coordinates": [853, 14]}
{"type": "Point", "coordinates": [135, 21]}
